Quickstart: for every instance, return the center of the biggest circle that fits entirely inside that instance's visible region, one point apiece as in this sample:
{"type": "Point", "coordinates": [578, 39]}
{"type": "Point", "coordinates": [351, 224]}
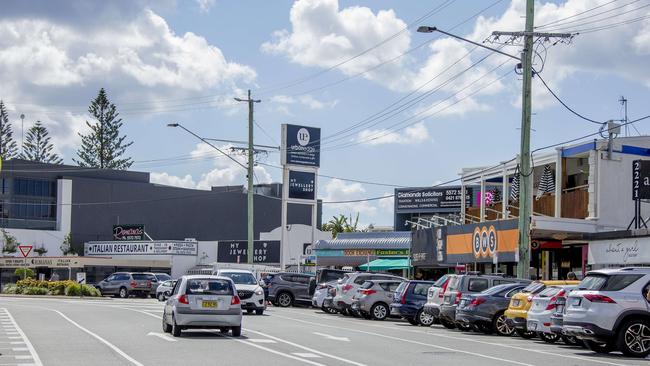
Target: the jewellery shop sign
{"type": "Point", "coordinates": [620, 251]}
{"type": "Point", "coordinates": [110, 248]}
{"type": "Point", "coordinates": [300, 145]}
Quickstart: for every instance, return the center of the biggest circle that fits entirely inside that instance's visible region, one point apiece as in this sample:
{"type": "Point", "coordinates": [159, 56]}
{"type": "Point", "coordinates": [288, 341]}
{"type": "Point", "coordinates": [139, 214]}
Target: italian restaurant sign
{"type": "Point", "coordinates": [428, 199]}
{"type": "Point", "coordinates": [141, 248]}
{"type": "Point", "coordinates": [620, 251]}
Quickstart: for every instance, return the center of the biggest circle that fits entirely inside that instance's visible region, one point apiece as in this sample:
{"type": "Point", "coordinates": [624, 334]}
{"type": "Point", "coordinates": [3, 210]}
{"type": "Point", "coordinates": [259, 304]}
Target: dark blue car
{"type": "Point", "coordinates": [409, 301]}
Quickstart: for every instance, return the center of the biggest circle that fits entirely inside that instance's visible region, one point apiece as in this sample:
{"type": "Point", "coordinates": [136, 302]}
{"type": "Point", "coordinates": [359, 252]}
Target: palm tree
{"type": "Point", "coordinates": [340, 224]}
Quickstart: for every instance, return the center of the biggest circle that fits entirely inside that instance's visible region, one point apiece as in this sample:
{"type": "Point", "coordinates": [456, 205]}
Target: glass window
{"type": "Point", "coordinates": [123, 277]}
{"type": "Point", "coordinates": [361, 279]}
{"type": "Point", "coordinates": [240, 278]}
{"type": "Point", "coordinates": [598, 282]}
{"type": "Point", "coordinates": [513, 292]}
{"type": "Point", "coordinates": [401, 287]}
{"type": "Point", "coordinates": [534, 287]}
{"type": "Point", "coordinates": [208, 286]}
{"type": "Point", "coordinates": [550, 292]}
{"type": "Point", "coordinates": [441, 281]}
{"type": "Point", "coordinates": [141, 277]}
{"type": "Point", "coordinates": [163, 277]}
{"type": "Point", "coordinates": [477, 284]}
{"type": "Point", "coordinates": [500, 282]}
{"type": "Point", "coordinates": [177, 286]}
{"type": "Point", "coordinates": [453, 283]}
{"type": "Point", "coordinates": [393, 286]}
{"type": "Point", "coordinates": [369, 284]}
{"type": "Point", "coordinates": [421, 289]}
{"type": "Point", "coordinates": [302, 279]}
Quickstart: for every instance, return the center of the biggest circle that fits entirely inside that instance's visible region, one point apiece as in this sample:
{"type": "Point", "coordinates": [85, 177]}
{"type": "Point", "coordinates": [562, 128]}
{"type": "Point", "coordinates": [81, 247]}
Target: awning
{"type": "Point", "coordinates": [385, 264]}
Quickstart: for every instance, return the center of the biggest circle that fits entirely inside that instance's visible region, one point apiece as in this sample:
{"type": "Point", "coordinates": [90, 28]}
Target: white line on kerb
{"type": "Point", "coordinates": [306, 348]}
{"type": "Point", "coordinates": [32, 351]}
{"type": "Point", "coordinates": [99, 338]}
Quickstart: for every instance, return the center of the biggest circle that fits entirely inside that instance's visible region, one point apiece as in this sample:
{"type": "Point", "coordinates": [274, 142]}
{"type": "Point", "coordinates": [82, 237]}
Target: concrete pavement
{"type": "Point", "coordinates": [128, 332]}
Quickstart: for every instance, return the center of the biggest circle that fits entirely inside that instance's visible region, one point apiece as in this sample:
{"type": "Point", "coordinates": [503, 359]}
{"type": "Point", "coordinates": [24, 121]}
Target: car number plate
{"type": "Point", "coordinates": [515, 303]}
{"type": "Point", "coordinates": [576, 301]}
{"type": "Point", "coordinates": [532, 325]}
{"type": "Point", "coordinates": [209, 304]}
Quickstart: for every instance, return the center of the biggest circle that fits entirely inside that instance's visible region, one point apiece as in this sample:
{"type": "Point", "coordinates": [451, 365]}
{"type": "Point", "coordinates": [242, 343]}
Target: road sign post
{"type": "Point", "coordinates": [81, 280]}
{"type": "Point", "coordinates": [25, 250]}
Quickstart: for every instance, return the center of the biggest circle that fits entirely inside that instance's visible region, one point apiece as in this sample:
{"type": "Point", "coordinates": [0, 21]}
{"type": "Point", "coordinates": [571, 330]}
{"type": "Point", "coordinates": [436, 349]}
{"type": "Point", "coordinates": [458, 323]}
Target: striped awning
{"type": "Point", "coordinates": [382, 240]}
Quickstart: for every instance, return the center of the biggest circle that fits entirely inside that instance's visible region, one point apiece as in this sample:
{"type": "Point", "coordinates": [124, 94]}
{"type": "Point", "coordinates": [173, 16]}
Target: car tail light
{"type": "Point", "coordinates": [599, 298]}
{"type": "Point", "coordinates": [134, 284]}
{"type": "Point", "coordinates": [347, 287]}
{"type": "Point", "coordinates": [403, 300]}
{"type": "Point", "coordinates": [368, 292]}
{"type": "Point", "coordinates": [149, 284]}
{"type": "Point", "coordinates": [441, 294]}
{"type": "Point", "coordinates": [183, 299]}
{"type": "Point", "coordinates": [552, 302]}
{"type": "Point", "coordinates": [547, 324]}
{"type": "Point", "coordinates": [235, 300]}
{"type": "Point", "coordinates": [477, 301]}
{"type": "Point", "coordinates": [458, 296]}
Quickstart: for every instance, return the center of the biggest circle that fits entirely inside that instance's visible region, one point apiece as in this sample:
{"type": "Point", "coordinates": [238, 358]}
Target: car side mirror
{"type": "Point", "coordinates": [261, 283]}
{"type": "Point", "coordinates": [167, 293]}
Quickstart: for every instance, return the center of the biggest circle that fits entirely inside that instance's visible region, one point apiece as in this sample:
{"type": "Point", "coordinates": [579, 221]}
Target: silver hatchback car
{"type": "Point", "coordinates": [373, 298]}
{"type": "Point", "coordinates": [200, 301]}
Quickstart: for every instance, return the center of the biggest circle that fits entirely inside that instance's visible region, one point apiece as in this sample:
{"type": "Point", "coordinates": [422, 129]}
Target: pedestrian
{"type": "Point", "coordinates": [571, 276]}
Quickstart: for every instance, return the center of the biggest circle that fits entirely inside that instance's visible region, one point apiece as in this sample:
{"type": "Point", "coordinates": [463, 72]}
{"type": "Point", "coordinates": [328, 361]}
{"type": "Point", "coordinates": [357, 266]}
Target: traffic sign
{"type": "Point", "coordinates": [81, 278]}
{"type": "Point", "coordinates": [25, 249]}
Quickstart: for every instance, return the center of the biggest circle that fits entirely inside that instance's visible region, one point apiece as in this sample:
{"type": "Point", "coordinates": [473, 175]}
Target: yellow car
{"type": "Point", "coordinates": [517, 313]}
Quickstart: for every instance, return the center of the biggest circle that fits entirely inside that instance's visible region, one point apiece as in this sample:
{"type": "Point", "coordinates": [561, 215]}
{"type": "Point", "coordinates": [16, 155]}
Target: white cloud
{"type": "Point", "coordinates": [226, 171]}
{"type": "Point", "coordinates": [206, 5]}
{"type": "Point", "coordinates": [306, 100]}
{"type": "Point", "coordinates": [172, 180]}
{"type": "Point", "coordinates": [411, 135]}
{"type": "Point", "coordinates": [338, 190]}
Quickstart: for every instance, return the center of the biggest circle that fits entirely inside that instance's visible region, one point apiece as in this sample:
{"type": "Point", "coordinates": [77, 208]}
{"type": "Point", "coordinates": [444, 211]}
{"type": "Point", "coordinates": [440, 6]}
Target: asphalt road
{"type": "Point", "coordinates": [37, 331]}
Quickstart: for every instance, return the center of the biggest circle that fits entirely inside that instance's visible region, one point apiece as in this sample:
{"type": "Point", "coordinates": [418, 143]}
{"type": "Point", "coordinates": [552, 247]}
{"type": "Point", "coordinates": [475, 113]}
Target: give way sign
{"type": "Point", "coordinates": [25, 249]}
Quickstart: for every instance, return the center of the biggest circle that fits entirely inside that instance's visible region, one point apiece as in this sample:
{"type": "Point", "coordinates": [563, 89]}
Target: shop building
{"type": "Point", "coordinates": [40, 204]}
{"type": "Point", "coordinates": [579, 191]}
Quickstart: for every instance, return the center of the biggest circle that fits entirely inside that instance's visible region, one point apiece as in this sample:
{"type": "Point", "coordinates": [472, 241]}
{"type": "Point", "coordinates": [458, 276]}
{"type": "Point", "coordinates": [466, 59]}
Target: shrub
{"type": "Point", "coordinates": [24, 272]}
{"type": "Point", "coordinates": [73, 290]}
{"type": "Point", "coordinates": [90, 291]}
{"type": "Point", "coordinates": [11, 288]}
{"type": "Point", "coordinates": [35, 291]}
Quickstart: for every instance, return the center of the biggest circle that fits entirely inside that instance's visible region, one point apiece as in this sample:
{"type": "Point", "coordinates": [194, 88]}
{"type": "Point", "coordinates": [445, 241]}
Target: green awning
{"type": "Point", "coordinates": [385, 264]}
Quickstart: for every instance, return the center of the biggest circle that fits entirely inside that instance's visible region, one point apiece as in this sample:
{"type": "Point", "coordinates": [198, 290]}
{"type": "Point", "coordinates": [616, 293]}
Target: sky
{"type": "Point", "coordinates": [395, 106]}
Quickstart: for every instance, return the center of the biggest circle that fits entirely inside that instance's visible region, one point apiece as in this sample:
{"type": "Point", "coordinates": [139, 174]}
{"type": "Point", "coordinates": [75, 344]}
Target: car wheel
{"type": "Point", "coordinates": [500, 326]}
{"type": "Point", "coordinates": [285, 300]}
{"type": "Point", "coordinates": [153, 296]}
{"type": "Point", "coordinates": [365, 315]}
{"type": "Point", "coordinates": [328, 310]}
{"type": "Point", "coordinates": [571, 340]}
{"type": "Point", "coordinates": [600, 347]}
{"type": "Point", "coordinates": [485, 328]}
{"type": "Point", "coordinates": [249, 311]}
{"type": "Point", "coordinates": [123, 293]}
{"type": "Point", "coordinates": [633, 338]}
{"type": "Point", "coordinates": [548, 337]}
{"type": "Point", "coordinates": [379, 311]}
{"type": "Point", "coordinates": [345, 312]}
{"type": "Point", "coordinates": [176, 329]}
{"type": "Point", "coordinates": [259, 311]}
{"type": "Point", "coordinates": [165, 327]}
{"type": "Point", "coordinates": [413, 321]}
{"type": "Point", "coordinates": [447, 324]}
{"type": "Point", "coordinates": [236, 331]}
{"type": "Point", "coordinates": [524, 334]}
{"type": "Point", "coordinates": [464, 327]}
{"type": "Point", "coordinates": [425, 319]}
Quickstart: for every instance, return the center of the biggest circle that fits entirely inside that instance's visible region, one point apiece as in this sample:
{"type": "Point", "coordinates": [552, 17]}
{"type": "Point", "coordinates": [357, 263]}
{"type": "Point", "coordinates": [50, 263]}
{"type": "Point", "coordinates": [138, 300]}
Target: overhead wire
{"type": "Point", "coordinates": [577, 14]}
{"type": "Point", "coordinates": [561, 27]}
{"type": "Point", "coordinates": [561, 24]}
{"type": "Point", "coordinates": [564, 104]}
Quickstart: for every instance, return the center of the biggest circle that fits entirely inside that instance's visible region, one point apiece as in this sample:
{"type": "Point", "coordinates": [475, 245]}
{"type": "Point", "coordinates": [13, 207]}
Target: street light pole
{"type": "Point", "coordinates": [251, 174]}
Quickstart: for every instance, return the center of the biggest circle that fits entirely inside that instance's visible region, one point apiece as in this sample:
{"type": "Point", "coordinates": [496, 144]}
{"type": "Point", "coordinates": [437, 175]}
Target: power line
{"type": "Point", "coordinates": [575, 15]}
{"type": "Point", "coordinates": [564, 104]}
{"type": "Point", "coordinates": [565, 26]}
{"type": "Point", "coordinates": [610, 26]}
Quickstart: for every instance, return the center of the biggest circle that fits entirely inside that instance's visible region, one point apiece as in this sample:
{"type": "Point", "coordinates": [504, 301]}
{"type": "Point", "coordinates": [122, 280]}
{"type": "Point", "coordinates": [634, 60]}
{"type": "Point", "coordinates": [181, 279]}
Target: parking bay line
{"type": "Point", "coordinates": [487, 343]}
{"type": "Point", "coordinates": [411, 341]}
{"type": "Point", "coordinates": [306, 348]}
{"type": "Point", "coordinates": [23, 336]}
{"type": "Point", "coordinates": [162, 336]}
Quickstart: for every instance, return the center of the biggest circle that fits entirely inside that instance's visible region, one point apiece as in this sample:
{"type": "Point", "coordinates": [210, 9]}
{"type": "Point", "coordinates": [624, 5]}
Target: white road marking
{"type": "Point", "coordinates": [162, 336]}
{"type": "Point", "coordinates": [99, 338]}
{"type": "Point", "coordinates": [23, 336]}
{"type": "Point", "coordinates": [306, 348]}
{"type": "Point", "coordinates": [343, 339]}
{"type": "Point", "coordinates": [409, 341]}
{"type": "Point", "coordinates": [278, 352]}
{"type": "Point", "coordinates": [305, 355]}
{"type": "Point", "coordinates": [22, 357]}
{"type": "Point", "coordinates": [20, 349]}
{"type": "Point", "coordinates": [261, 340]}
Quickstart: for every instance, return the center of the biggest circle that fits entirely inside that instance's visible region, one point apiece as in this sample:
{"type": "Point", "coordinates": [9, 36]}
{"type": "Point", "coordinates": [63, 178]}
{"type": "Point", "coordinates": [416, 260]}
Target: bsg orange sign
{"type": "Point", "coordinates": [484, 241]}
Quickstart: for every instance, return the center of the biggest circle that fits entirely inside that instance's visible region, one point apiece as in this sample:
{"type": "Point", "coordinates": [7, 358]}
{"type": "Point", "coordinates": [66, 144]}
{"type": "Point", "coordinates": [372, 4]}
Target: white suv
{"type": "Point", "coordinates": [609, 311]}
{"type": "Point", "coordinates": [249, 290]}
{"type": "Point", "coordinates": [348, 286]}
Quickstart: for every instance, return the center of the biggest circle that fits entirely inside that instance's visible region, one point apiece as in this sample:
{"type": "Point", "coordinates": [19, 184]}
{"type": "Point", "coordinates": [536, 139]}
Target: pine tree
{"type": "Point", "coordinates": [38, 146]}
{"type": "Point", "coordinates": [8, 147]}
{"type": "Point", "coordinates": [103, 146]}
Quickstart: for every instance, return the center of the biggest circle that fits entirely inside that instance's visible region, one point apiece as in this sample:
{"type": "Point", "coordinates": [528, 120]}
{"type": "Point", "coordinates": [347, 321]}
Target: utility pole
{"type": "Point", "coordinates": [22, 134]}
{"type": "Point", "coordinates": [623, 101]}
{"type": "Point", "coordinates": [525, 169]}
{"type": "Point", "coordinates": [251, 152]}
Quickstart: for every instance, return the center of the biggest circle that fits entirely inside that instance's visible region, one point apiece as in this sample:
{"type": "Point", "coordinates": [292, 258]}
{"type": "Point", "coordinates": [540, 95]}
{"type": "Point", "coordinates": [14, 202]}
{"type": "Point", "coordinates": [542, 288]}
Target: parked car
{"type": "Point", "coordinates": [409, 301]}
{"type": "Point", "coordinates": [609, 311]}
{"type": "Point", "coordinates": [435, 295]}
{"type": "Point", "coordinates": [485, 311]}
{"type": "Point", "coordinates": [350, 283]}
{"type": "Point", "coordinates": [125, 284]}
{"type": "Point", "coordinates": [156, 279]}
{"type": "Point", "coordinates": [286, 289]}
{"type": "Point", "coordinates": [517, 313]}
{"type": "Point", "coordinates": [373, 298]}
{"type": "Point", "coordinates": [201, 301]}
{"type": "Point", "coordinates": [557, 320]}
{"type": "Point", "coordinates": [164, 290]}
{"type": "Point", "coordinates": [321, 293]}
{"type": "Point", "coordinates": [541, 309]}
{"type": "Point", "coordinates": [460, 285]}
{"type": "Point", "coordinates": [248, 288]}
{"type": "Point", "coordinates": [323, 276]}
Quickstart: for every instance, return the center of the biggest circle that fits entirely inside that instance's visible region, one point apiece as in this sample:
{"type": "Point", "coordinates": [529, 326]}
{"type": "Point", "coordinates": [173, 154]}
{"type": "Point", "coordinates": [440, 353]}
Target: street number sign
{"type": "Point", "coordinates": [641, 179]}
{"type": "Point", "coordinates": [25, 250]}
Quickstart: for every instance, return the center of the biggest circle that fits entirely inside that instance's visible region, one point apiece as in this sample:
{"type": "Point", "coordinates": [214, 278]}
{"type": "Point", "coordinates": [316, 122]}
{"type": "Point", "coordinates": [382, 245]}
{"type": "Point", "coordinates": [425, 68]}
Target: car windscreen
{"type": "Point", "coordinates": [401, 287]}
{"type": "Point", "coordinates": [208, 286]}
{"type": "Point", "coordinates": [327, 276]}
{"type": "Point", "coordinates": [496, 289]}
{"type": "Point", "coordinates": [453, 283]}
{"type": "Point", "coordinates": [598, 282]}
{"type": "Point", "coordinates": [141, 277]}
{"type": "Point", "coordinates": [240, 278]}
{"type": "Point", "coordinates": [367, 285]}
{"type": "Point", "coordinates": [550, 292]}
{"type": "Point", "coordinates": [441, 281]}
{"type": "Point", "coordinates": [534, 287]}
{"type": "Point", "coordinates": [163, 277]}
